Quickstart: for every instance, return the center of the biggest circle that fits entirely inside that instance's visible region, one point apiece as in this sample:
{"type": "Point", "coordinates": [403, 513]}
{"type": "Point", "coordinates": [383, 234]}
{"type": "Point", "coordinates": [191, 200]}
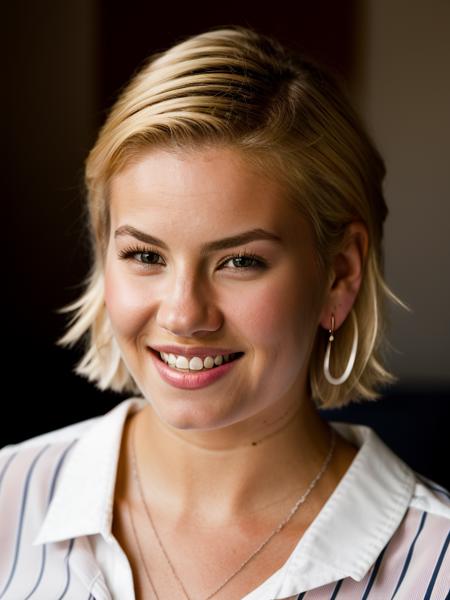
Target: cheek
{"type": "Point", "coordinates": [124, 304]}
{"type": "Point", "coordinates": [280, 322]}
{"type": "Point", "coordinates": [283, 310]}
{"type": "Point", "coordinates": [266, 316]}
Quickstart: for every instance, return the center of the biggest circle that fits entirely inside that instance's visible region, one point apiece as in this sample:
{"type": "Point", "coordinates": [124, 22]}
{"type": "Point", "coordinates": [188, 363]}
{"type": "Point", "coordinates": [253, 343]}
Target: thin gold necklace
{"type": "Point", "coordinates": [283, 523]}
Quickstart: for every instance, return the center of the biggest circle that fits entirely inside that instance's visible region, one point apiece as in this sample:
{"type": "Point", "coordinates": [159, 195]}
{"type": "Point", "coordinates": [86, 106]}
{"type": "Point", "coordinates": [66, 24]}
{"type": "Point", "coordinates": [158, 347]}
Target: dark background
{"type": "Point", "coordinates": [66, 64]}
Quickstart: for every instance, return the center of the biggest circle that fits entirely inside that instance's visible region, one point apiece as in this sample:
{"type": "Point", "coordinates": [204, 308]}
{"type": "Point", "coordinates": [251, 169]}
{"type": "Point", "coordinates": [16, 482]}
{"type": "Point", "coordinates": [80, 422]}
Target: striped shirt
{"type": "Point", "coordinates": [383, 533]}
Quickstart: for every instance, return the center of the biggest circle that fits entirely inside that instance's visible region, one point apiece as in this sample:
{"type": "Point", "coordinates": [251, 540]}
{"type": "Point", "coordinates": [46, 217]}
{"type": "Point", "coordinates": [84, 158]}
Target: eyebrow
{"type": "Point", "coordinates": [228, 242]}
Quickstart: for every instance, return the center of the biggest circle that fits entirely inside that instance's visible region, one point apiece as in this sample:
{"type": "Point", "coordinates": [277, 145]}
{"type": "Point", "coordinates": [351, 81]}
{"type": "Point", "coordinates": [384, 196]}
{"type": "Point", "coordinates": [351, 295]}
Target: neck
{"type": "Point", "coordinates": [226, 476]}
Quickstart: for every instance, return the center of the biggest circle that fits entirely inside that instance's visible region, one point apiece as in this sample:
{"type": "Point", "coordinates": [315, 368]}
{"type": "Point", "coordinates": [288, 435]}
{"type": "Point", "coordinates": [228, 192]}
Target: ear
{"type": "Point", "coordinates": [346, 275]}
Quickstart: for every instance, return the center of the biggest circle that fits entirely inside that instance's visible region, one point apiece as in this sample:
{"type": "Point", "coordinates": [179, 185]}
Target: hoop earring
{"type": "Point", "coordinates": [351, 361]}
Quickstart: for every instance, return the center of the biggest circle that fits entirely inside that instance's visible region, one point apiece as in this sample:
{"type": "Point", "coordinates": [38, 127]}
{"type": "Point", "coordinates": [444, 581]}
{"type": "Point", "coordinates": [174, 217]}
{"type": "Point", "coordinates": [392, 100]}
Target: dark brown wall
{"type": "Point", "coordinates": [324, 29]}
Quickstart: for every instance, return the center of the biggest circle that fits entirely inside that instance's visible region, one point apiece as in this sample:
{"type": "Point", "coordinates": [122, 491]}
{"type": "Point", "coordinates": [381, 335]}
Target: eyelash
{"type": "Point", "coordinates": [128, 253]}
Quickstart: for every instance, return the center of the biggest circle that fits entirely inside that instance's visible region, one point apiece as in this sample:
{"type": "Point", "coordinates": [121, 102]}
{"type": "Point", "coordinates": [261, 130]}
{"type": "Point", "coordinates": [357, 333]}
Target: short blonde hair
{"type": "Point", "coordinates": [234, 86]}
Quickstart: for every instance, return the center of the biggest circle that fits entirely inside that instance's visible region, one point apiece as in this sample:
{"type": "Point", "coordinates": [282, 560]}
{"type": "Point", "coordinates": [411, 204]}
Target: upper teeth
{"type": "Point", "coordinates": [195, 363]}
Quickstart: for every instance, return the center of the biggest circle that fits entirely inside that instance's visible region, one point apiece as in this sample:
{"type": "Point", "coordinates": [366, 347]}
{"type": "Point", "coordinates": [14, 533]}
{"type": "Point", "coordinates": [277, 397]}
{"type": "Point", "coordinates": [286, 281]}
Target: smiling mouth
{"type": "Point", "coordinates": [232, 357]}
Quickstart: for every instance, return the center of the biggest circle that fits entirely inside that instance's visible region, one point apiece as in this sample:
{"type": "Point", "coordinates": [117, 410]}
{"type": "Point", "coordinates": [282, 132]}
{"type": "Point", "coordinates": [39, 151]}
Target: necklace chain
{"type": "Point", "coordinates": [140, 551]}
{"type": "Point", "coordinates": [283, 523]}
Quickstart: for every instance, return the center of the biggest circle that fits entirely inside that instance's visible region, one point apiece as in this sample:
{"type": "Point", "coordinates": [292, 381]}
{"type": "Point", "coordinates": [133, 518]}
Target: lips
{"type": "Point", "coordinates": [191, 380]}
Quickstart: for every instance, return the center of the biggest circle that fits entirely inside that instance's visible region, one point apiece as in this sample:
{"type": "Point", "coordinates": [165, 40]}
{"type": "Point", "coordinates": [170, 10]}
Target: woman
{"type": "Point", "coordinates": [236, 216]}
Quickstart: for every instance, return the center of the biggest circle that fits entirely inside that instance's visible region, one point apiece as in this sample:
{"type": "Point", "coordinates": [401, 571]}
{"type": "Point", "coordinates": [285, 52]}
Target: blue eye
{"type": "Point", "coordinates": [242, 259]}
{"type": "Point", "coordinates": [129, 253]}
{"type": "Point", "coordinates": [246, 257]}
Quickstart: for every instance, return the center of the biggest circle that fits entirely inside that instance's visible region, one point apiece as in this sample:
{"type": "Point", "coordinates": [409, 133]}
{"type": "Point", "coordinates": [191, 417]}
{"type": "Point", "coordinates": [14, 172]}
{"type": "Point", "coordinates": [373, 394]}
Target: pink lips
{"type": "Point", "coordinates": [190, 380]}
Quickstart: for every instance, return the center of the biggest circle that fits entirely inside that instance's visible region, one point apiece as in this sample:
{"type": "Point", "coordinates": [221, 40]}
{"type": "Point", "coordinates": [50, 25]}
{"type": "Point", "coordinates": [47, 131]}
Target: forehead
{"type": "Point", "coordinates": [202, 191]}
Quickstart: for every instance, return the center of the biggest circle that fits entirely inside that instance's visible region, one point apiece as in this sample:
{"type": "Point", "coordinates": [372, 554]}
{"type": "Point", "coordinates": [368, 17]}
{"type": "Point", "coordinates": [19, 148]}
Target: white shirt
{"type": "Point", "coordinates": [383, 533]}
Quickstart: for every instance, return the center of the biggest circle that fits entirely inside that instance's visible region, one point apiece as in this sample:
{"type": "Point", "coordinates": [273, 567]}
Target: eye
{"type": "Point", "coordinates": [243, 259]}
{"type": "Point", "coordinates": [132, 251]}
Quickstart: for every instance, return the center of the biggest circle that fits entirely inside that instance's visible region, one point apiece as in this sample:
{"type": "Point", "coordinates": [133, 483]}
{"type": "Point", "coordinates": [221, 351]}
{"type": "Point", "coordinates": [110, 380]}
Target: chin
{"type": "Point", "coordinates": [184, 416]}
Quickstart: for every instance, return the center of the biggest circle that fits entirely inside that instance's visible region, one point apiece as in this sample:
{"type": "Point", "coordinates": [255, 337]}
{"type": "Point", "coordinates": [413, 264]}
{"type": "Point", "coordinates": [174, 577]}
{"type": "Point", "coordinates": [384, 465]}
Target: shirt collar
{"type": "Point", "coordinates": [344, 540]}
{"type": "Point", "coordinates": [83, 500]}
{"type": "Point", "coordinates": [358, 519]}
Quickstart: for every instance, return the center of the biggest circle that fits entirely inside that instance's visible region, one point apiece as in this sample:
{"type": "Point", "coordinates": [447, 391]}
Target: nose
{"type": "Point", "coordinates": [187, 308]}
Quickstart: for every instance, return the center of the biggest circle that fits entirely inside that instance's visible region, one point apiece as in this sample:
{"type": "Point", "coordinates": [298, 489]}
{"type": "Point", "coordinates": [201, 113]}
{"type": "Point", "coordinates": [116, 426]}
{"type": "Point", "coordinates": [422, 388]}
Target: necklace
{"type": "Point", "coordinates": [283, 523]}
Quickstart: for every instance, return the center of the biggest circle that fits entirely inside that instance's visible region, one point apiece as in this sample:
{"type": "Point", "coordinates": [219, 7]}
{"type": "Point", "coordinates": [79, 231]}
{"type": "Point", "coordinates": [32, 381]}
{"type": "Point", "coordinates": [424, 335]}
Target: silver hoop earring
{"type": "Point", "coordinates": [351, 360]}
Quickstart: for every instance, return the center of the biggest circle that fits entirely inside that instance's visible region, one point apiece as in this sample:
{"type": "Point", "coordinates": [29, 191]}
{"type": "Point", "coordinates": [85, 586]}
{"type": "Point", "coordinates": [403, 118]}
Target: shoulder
{"type": "Point", "coordinates": [29, 470]}
{"type": "Point", "coordinates": [431, 497]}
{"type": "Point", "coordinates": [429, 509]}
{"type": "Point", "coordinates": [61, 435]}
{"type": "Point", "coordinates": [417, 557]}
{"type": "Point", "coordinates": [426, 523]}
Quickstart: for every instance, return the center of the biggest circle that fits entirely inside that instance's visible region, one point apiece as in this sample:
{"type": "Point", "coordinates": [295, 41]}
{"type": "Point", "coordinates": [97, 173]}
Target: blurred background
{"type": "Point", "coordinates": [65, 63]}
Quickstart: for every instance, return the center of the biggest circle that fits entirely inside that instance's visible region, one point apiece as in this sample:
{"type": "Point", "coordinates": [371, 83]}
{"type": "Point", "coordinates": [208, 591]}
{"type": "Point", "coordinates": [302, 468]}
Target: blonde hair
{"type": "Point", "coordinates": [233, 86]}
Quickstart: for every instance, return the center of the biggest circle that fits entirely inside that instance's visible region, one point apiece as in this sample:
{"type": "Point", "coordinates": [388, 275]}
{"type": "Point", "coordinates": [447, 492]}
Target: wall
{"type": "Point", "coordinates": [403, 93]}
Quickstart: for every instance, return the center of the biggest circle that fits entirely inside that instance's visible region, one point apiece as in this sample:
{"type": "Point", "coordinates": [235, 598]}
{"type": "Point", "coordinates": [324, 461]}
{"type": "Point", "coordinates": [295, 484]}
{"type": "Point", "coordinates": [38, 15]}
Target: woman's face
{"type": "Point", "coordinates": [267, 307]}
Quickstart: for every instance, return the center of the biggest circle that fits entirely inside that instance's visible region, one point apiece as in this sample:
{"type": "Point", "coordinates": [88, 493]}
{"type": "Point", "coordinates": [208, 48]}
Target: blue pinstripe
{"type": "Point", "coordinates": [51, 493]}
{"type": "Point", "coordinates": [22, 513]}
{"type": "Point", "coordinates": [41, 573]}
{"type": "Point", "coordinates": [436, 569]}
{"type": "Point", "coordinates": [409, 555]}
{"type": "Point", "coordinates": [66, 560]}
{"type": "Point", "coordinates": [374, 574]}
{"type": "Point", "coordinates": [5, 468]}
{"type": "Point", "coordinates": [336, 589]}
